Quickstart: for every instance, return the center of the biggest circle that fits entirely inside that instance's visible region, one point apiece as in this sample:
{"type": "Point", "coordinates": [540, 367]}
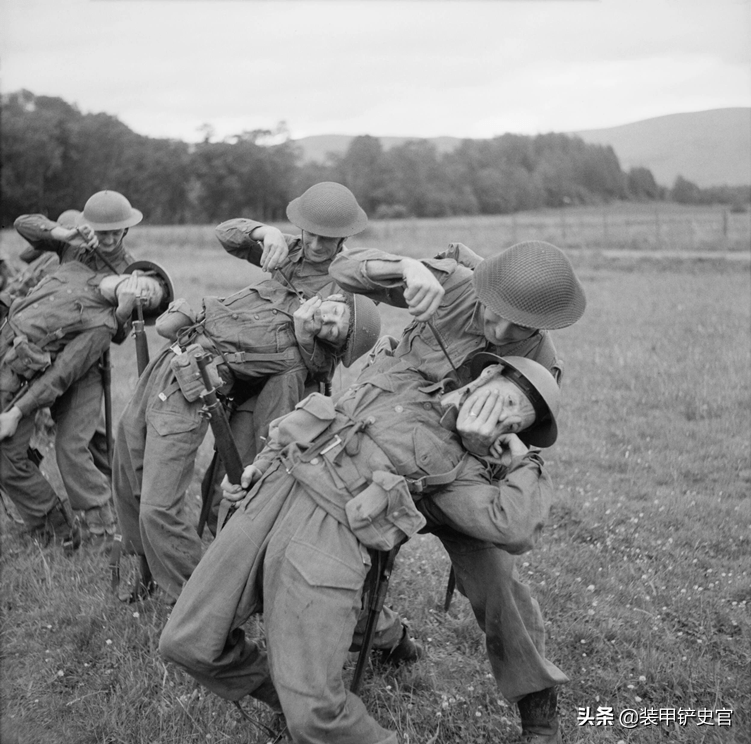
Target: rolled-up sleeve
{"type": "Point", "coordinates": [350, 271]}
{"type": "Point", "coordinates": [509, 513]}
{"type": "Point", "coordinates": [234, 235]}
{"type": "Point", "coordinates": [35, 230]}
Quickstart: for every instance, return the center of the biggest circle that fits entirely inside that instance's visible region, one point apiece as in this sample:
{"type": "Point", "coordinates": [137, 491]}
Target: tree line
{"type": "Point", "coordinates": [54, 157]}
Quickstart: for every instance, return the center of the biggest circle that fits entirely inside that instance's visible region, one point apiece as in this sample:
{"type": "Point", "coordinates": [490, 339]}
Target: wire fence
{"type": "Point", "coordinates": [646, 229]}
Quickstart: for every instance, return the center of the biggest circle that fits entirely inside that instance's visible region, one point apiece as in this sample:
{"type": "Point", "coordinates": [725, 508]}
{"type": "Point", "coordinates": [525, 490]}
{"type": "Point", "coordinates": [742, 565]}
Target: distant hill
{"type": "Point", "coordinates": [710, 148]}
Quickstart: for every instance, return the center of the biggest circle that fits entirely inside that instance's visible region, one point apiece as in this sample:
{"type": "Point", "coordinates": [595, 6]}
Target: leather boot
{"type": "Point", "coordinates": [62, 524]}
{"type": "Point", "coordinates": [407, 651]}
{"type": "Point", "coordinates": [539, 714]}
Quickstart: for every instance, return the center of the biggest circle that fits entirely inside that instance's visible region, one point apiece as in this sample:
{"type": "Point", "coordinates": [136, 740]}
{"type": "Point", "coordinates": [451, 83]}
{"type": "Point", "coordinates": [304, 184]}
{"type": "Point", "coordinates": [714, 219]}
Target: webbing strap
{"type": "Point", "coordinates": [439, 479]}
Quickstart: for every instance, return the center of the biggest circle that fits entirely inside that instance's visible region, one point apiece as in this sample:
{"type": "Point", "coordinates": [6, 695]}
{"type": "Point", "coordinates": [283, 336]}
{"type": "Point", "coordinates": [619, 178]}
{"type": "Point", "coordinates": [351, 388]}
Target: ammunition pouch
{"type": "Point", "coordinates": [185, 368]}
{"type": "Point", "coordinates": [26, 359]}
{"type": "Point", "coordinates": [384, 515]}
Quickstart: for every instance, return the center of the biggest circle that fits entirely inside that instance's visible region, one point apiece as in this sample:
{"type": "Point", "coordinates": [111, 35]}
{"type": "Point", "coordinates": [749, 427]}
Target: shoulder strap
{"type": "Point", "coordinates": [418, 486]}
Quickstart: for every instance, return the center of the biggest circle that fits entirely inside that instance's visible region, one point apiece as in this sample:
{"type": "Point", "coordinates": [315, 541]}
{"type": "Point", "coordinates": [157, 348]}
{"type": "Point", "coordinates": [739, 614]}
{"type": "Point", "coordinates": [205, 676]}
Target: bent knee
{"type": "Point", "coordinates": [176, 646]}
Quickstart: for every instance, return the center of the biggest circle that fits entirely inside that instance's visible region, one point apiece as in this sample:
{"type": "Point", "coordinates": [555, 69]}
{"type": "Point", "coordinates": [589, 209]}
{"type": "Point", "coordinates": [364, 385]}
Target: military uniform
{"type": "Point", "coordinates": [65, 317]}
{"type": "Point", "coordinates": [261, 404]}
{"type": "Point", "coordinates": [335, 481]}
{"type": "Point", "coordinates": [485, 573]}
{"type": "Point", "coordinates": [251, 336]}
{"type": "Point", "coordinates": [80, 437]}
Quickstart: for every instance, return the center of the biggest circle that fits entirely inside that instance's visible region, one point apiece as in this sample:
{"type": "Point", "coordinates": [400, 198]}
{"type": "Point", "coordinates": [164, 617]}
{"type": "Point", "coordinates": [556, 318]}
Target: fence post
{"type": "Point", "coordinates": [563, 227]}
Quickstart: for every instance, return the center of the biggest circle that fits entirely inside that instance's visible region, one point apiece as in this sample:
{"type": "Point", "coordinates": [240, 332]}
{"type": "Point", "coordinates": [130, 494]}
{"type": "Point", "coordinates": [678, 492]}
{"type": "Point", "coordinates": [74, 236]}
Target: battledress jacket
{"type": "Point", "coordinates": [458, 320]}
{"type": "Point", "coordinates": [306, 278]}
{"type": "Point", "coordinates": [67, 316]}
{"type": "Point", "coordinates": [35, 229]}
{"type": "Point", "coordinates": [389, 429]}
{"type": "Point", "coordinates": [253, 332]}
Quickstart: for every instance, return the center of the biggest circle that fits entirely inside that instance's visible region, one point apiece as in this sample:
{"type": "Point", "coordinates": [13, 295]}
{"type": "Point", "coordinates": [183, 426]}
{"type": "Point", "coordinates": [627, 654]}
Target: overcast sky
{"type": "Point", "coordinates": [419, 68]}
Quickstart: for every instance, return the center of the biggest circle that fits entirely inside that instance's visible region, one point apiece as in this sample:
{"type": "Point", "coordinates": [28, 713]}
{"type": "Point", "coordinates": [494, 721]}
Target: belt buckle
{"type": "Point", "coordinates": [336, 441]}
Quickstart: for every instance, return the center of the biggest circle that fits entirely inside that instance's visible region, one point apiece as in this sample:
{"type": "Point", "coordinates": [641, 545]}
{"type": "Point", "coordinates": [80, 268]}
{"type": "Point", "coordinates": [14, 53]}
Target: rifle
{"type": "Point", "coordinates": [105, 366]}
{"type": "Point", "coordinates": [142, 343]}
{"type": "Point", "coordinates": [208, 482]}
{"type": "Point", "coordinates": [207, 492]}
{"type": "Point", "coordinates": [223, 439]}
{"type": "Point", "coordinates": [383, 564]}
{"type": "Point", "coordinates": [19, 394]}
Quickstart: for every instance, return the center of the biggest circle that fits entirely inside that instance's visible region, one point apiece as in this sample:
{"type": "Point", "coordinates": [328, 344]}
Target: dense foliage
{"type": "Point", "coordinates": [54, 157]}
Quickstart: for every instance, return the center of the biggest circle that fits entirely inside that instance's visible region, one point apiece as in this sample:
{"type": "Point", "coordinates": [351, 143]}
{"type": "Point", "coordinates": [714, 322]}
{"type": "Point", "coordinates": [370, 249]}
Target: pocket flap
{"type": "Point", "coordinates": [319, 568]}
{"type": "Point", "coordinates": [383, 515]}
{"type": "Point", "coordinates": [167, 422]}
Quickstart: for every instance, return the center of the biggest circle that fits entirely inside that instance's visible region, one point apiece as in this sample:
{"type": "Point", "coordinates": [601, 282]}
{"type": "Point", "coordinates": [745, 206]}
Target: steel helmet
{"type": "Point", "coordinates": [154, 269]}
{"type": "Point", "coordinates": [69, 218]}
{"type": "Point", "coordinates": [110, 210]}
{"type": "Point", "coordinates": [364, 327]}
{"type": "Point", "coordinates": [538, 384]}
{"type": "Point", "coordinates": [327, 209]}
{"type": "Point", "coordinates": [532, 284]}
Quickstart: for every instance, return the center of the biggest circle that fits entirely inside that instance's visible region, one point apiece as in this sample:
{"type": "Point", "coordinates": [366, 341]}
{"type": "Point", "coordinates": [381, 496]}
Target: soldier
{"type": "Point", "coordinates": [463, 305]}
{"type": "Point", "coordinates": [38, 265]}
{"type": "Point", "coordinates": [326, 213]}
{"type": "Point", "coordinates": [255, 335]}
{"type": "Point", "coordinates": [50, 338]}
{"type": "Point", "coordinates": [97, 241]}
{"type": "Point", "coordinates": [333, 481]}
{"type": "Point", "coordinates": [7, 273]}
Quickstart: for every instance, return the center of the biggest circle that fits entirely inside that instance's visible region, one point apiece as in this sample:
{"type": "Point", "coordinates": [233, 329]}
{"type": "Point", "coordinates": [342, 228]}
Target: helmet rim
{"type": "Point", "coordinates": [109, 210]}
{"type": "Point", "coordinates": [365, 329]}
{"type": "Point", "coordinates": [540, 434]}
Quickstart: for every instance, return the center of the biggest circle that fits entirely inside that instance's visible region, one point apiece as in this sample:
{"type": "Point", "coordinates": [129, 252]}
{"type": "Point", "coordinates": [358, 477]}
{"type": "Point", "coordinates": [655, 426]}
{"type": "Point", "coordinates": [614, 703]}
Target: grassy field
{"type": "Point", "coordinates": [643, 575]}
